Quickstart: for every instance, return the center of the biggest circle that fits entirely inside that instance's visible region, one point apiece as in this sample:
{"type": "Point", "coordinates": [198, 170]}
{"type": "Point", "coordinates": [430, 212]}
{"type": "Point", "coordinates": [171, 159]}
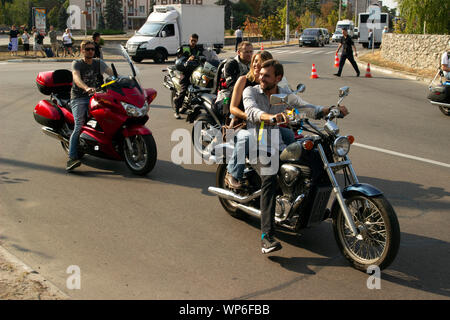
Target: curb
{"type": "Point", "coordinates": [33, 275]}
{"type": "Point", "coordinates": [388, 71]}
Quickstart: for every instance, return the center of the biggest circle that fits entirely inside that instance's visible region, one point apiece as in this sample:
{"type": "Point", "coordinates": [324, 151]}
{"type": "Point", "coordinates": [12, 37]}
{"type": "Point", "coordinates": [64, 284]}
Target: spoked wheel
{"type": "Point", "coordinates": [204, 135]}
{"type": "Point", "coordinates": [377, 223]}
{"type": "Point", "coordinates": [228, 205]}
{"type": "Point", "coordinates": [140, 153]}
{"type": "Point", "coordinates": [445, 110]}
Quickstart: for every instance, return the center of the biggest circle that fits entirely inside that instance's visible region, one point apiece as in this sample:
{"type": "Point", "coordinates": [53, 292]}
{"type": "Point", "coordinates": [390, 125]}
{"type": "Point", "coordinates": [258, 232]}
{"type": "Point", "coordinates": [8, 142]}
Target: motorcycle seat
{"type": "Point", "coordinates": [63, 100]}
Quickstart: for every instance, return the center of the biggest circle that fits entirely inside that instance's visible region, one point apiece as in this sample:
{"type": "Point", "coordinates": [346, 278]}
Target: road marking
{"type": "Point", "coordinates": [320, 51]}
{"type": "Point", "coordinates": [309, 51]}
{"type": "Point", "coordinates": [330, 52]}
{"type": "Point", "coordinates": [398, 154]}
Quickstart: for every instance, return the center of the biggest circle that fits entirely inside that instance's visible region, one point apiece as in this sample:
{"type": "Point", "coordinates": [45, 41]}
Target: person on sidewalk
{"type": "Point", "coordinates": [26, 42]}
{"type": "Point", "coordinates": [445, 62]}
{"type": "Point", "coordinates": [14, 40]}
{"type": "Point", "coordinates": [347, 53]}
{"type": "Point", "coordinates": [87, 75]}
{"type": "Point", "coordinates": [370, 38]}
{"type": "Point", "coordinates": [238, 35]}
{"type": "Point", "coordinates": [53, 40]}
{"type": "Point", "coordinates": [67, 42]}
{"type": "Point", "coordinates": [39, 46]}
{"type": "Point", "coordinates": [98, 48]}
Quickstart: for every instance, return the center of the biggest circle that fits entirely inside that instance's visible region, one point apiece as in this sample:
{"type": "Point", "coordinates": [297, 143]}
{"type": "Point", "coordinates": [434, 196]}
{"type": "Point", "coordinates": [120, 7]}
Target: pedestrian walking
{"type": "Point", "coordinates": [53, 40]}
{"type": "Point", "coordinates": [347, 52]}
{"type": "Point", "coordinates": [98, 48]}
{"type": "Point", "coordinates": [238, 35]}
{"type": "Point", "coordinates": [26, 42]}
{"type": "Point", "coordinates": [13, 39]}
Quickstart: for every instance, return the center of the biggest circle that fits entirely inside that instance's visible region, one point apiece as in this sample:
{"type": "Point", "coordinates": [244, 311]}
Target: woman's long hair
{"type": "Point", "coordinates": [265, 55]}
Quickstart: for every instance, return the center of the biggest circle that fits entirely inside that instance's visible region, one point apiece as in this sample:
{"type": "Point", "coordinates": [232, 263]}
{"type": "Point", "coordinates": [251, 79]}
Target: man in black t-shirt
{"type": "Point", "coordinates": [87, 75]}
{"type": "Point", "coordinates": [347, 53]}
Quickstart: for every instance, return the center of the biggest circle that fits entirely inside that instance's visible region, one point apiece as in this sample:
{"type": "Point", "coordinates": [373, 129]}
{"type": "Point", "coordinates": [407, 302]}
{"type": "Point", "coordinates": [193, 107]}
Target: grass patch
{"type": "Point", "coordinates": [377, 60]}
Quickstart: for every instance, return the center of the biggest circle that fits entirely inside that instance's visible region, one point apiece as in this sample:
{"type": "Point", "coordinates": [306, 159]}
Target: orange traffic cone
{"type": "Point", "coordinates": [336, 61]}
{"type": "Point", "coordinates": [368, 74]}
{"type": "Point", "coordinates": [314, 72]}
{"type": "Point", "coordinates": [262, 47]}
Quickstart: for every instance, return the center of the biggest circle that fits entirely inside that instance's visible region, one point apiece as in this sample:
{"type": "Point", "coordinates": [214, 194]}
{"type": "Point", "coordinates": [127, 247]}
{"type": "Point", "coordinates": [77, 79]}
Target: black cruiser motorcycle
{"type": "Point", "coordinates": [365, 224]}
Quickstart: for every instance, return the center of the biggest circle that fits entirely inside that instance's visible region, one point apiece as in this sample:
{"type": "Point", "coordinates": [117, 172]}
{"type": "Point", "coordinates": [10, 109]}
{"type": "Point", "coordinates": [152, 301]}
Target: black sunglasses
{"type": "Point", "coordinates": [89, 49]}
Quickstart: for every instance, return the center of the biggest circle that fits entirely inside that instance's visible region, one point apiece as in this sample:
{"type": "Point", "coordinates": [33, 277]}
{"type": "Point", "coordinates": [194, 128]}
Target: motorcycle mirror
{"type": "Point", "coordinates": [301, 87]}
{"type": "Point", "coordinates": [114, 70]}
{"type": "Point", "coordinates": [343, 92]}
{"type": "Point", "coordinates": [278, 98]}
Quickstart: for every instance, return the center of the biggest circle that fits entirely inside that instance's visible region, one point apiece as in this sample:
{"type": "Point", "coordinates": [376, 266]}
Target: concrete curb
{"type": "Point", "coordinates": [32, 275]}
{"type": "Point", "coordinates": [363, 66]}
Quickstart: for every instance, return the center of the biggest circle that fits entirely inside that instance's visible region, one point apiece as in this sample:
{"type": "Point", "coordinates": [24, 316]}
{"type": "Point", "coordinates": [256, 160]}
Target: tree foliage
{"type": "Point", "coordinates": [114, 15]}
{"type": "Point", "coordinates": [431, 14]}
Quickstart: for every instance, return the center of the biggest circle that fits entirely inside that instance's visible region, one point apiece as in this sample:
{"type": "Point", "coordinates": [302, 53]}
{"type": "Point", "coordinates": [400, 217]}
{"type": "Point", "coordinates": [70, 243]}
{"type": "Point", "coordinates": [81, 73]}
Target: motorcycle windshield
{"type": "Point", "coordinates": [133, 68]}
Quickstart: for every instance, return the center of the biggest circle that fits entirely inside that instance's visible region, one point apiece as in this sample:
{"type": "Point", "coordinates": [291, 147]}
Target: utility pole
{"type": "Point", "coordinates": [356, 13]}
{"type": "Point", "coordinates": [286, 41]}
{"type": "Point", "coordinates": [340, 1]}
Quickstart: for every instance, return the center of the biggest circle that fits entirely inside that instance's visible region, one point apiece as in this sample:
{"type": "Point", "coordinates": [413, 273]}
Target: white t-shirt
{"type": "Point", "coordinates": [25, 38]}
{"type": "Point", "coordinates": [67, 38]}
{"type": "Point", "coordinates": [238, 33]}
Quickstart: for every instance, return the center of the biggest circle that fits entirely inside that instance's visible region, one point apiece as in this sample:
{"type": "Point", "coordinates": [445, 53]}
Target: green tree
{"type": "Point", "coordinates": [429, 15]}
{"type": "Point", "coordinates": [114, 15]}
{"type": "Point", "coordinates": [101, 23]}
{"type": "Point", "coordinates": [306, 20]}
{"type": "Point", "coordinates": [241, 10]}
{"type": "Point", "coordinates": [63, 16]}
{"type": "Point", "coordinates": [271, 27]}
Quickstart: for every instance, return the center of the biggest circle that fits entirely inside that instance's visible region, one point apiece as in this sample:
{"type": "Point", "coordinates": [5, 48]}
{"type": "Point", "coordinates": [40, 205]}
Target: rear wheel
{"type": "Point", "coordinates": [136, 59]}
{"type": "Point", "coordinates": [377, 222]}
{"type": "Point", "coordinates": [160, 56]}
{"type": "Point", "coordinates": [445, 110]}
{"type": "Point", "coordinates": [140, 154]}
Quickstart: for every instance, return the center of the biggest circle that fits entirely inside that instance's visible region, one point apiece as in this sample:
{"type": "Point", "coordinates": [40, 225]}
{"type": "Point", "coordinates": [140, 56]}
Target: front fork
{"type": "Point", "coordinates": [337, 190]}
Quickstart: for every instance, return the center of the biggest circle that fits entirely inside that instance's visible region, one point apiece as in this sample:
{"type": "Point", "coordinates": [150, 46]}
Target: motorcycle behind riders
{"type": "Point", "coordinates": [117, 113]}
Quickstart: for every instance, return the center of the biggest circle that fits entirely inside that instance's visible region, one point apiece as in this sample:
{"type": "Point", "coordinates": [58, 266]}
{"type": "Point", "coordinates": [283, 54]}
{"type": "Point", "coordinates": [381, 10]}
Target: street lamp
{"type": "Point", "coordinates": [231, 19]}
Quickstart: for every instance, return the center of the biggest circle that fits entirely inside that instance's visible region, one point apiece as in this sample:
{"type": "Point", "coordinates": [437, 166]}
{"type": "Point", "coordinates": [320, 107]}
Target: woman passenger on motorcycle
{"type": "Point", "coordinates": [236, 165]}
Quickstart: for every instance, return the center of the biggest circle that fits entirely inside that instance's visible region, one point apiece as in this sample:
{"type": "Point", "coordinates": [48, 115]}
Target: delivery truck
{"type": "Point", "coordinates": [376, 22]}
{"type": "Point", "coordinates": [170, 26]}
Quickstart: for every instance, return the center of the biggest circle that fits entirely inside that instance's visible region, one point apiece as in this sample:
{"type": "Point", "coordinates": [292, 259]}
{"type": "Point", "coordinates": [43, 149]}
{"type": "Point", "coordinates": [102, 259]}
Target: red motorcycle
{"type": "Point", "coordinates": [115, 127]}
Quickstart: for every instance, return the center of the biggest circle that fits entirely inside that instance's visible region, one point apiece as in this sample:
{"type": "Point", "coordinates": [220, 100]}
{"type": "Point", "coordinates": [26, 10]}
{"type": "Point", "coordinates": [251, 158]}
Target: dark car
{"type": "Point", "coordinates": [312, 37]}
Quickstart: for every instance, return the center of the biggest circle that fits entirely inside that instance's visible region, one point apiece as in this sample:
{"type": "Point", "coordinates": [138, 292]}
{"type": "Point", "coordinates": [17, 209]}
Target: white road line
{"type": "Point", "coordinates": [320, 51]}
{"type": "Point", "coordinates": [309, 51]}
{"type": "Point", "coordinates": [398, 154]}
{"type": "Point", "coordinates": [282, 51]}
{"type": "Point", "coordinates": [330, 52]}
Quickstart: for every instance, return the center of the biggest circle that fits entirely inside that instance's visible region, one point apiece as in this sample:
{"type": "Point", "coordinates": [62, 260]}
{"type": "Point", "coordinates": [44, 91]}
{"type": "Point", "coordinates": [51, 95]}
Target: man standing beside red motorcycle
{"type": "Point", "coordinates": [87, 75]}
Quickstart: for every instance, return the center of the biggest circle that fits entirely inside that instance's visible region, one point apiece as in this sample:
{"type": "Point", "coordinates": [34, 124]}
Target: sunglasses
{"type": "Point", "coordinates": [89, 49]}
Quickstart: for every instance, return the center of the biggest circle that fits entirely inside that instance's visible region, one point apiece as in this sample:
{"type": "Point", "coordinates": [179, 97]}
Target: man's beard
{"type": "Point", "coordinates": [269, 87]}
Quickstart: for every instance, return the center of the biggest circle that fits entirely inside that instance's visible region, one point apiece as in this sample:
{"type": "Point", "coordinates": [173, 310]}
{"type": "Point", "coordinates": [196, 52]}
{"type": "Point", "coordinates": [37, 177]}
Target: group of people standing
{"type": "Point", "coordinates": [36, 37]}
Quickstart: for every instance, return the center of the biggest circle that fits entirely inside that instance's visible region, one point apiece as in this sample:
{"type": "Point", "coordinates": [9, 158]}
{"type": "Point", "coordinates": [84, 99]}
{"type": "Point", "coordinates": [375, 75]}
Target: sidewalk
{"type": "Point", "coordinates": [20, 282]}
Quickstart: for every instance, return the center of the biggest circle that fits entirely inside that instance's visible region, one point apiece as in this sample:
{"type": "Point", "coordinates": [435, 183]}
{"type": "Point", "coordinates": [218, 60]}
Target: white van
{"type": "Point", "coordinates": [347, 24]}
{"type": "Point", "coordinates": [169, 27]}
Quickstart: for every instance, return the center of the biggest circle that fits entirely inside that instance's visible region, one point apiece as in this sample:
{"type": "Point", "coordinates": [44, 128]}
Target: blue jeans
{"type": "Point", "coordinates": [79, 111]}
{"type": "Point", "coordinates": [236, 165]}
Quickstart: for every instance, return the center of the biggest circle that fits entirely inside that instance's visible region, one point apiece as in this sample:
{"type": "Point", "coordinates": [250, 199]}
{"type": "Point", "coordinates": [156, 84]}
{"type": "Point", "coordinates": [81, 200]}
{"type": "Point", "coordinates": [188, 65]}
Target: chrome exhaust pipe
{"type": "Point", "coordinates": [441, 104]}
{"type": "Point", "coordinates": [229, 195]}
{"type": "Point", "coordinates": [53, 134]}
{"type": "Point", "coordinates": [251, 211]}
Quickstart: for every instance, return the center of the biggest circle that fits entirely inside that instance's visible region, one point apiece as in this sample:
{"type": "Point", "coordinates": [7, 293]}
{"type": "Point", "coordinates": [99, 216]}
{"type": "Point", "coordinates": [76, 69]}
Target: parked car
{"type": "Point", "coordinates": [312, 36]}
{"type": "Point", "coordinates": [337, 36]}
{"type": "Point", "coordinates": [326, 35]}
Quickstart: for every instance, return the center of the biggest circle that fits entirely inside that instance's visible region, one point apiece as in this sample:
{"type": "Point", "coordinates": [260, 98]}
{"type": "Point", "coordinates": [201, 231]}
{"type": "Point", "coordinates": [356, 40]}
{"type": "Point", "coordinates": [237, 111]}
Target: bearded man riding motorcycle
{"type": "Point", "coordinates": [258, 109]}
{"type": "Point", "coordinates": [191, 52]}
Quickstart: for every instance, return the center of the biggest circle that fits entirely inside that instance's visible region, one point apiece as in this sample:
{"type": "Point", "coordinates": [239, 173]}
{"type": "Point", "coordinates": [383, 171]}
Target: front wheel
{"type": "Point", "coordinates": [377, 223]}
{"type": "Point", "coordinates": [445, 110]}
{"type": "Point", "coordinates": [140, 153]}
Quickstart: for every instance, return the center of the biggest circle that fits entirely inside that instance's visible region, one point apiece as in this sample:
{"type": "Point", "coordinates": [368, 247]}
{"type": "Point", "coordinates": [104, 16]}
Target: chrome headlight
{"type": "Point", "coordinates": [134, 111]}
{"type": "Point", "coordinates": [341, 146]}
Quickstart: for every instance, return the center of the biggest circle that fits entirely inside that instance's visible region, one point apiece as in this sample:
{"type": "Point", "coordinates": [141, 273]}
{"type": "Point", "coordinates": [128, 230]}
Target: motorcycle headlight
{"type": "Point", "coordinates": [341, 146]}
{"type": "Point", "coordinates": [134, 111]}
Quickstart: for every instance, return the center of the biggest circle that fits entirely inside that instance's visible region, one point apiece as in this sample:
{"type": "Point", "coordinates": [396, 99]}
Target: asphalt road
{"type": "Point", "coordinates": [164, 237]}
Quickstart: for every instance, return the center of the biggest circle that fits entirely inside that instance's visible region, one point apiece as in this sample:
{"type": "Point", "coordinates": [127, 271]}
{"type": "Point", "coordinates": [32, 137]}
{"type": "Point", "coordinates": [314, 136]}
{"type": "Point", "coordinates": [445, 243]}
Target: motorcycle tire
{"type": "Point", "coordinates": [378, 224]}
{"type": "Point", "coordinates": [445, 110]}
{"type": "Point", "coordinates": [146, 154]}
{"type": "Point", "coordinates": [206, 123]}
{"type": "Point", "coordinates": [228, 205]}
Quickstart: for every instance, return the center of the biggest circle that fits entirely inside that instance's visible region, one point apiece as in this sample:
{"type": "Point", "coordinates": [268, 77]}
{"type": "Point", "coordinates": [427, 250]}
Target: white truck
{"type": "Point", "coordinates": [169, 26]}
{"type": "Point", "coordinates": [347, 24]}
{"type": "Point", "coordinates": [374, 21]}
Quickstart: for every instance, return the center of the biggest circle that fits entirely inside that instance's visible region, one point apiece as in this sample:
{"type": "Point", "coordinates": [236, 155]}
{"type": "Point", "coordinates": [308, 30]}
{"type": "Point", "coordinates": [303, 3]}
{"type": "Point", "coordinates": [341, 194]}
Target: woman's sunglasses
{"type": "Point", "coordinates": [89, 49]}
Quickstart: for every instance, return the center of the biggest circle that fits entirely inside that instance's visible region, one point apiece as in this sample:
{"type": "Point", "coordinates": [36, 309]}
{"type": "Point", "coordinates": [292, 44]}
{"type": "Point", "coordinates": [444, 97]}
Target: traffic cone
{"type": "Point", "coordinates": [262, 47]}
{"type": "Point", "coordinates": [314, 72]}
{"type": "Point", "coordinates": [368, 74]}
{"type": "Point", "coordinates": [336, 61]}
